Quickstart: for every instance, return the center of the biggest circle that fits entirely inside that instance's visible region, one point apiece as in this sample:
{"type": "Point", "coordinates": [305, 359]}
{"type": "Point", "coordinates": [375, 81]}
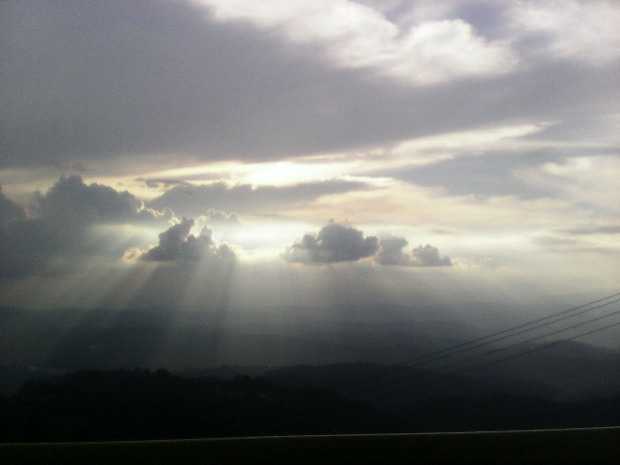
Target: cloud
{"type": "Point", "coordinates": [391, 252]}
{"type": "Point", "coordinates": [71, 200]}
{"type": "Point", "coordinates": [193, 200]}
{"type": "Point", "coordinates": [334, 243]}
{"type": "Point", "coordinates": [488, 174]}
{"type": "Point", "coordinates": [428, 255]}
{"type": "Point", "coordinates": [571, 29]}
{"type": "Point", "coordinates": [605, 229]}
{"type": "Point", "coordinates": [156, 183]}
{"type": "Point", "coordinates": [58, 230]}
{"type": "Point", "coordinates": [571, 246]}
{"type": "Point", "coordinates": [358, 36]}
{"type": "Point", "coordinates": [507, 162]}
{"type": "Point", "coordinates": [583, 181]}
{"type": "Point", "coordinates": [125, 82]}
{"type": "Point", "coordinates": [29, 245]}
{"type": "Point", "coordinates": [179, 245]}
{"type": "Point", "coordinates": [9, 210]}
{"type": "Point", "coordinates": [219, 217]}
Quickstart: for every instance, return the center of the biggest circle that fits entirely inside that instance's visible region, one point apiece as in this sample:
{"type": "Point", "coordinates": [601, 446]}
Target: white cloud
{"type": "Point", "coordinates": [442, 50]}
{"type": "Point", "coordinates": [355, 36]}
{"type": "Point", "coordinates": [591, 180]}
{"type": "Point", "coordinates": [585, 30]}
{"type": "Point", "coordinates": [476, 139]}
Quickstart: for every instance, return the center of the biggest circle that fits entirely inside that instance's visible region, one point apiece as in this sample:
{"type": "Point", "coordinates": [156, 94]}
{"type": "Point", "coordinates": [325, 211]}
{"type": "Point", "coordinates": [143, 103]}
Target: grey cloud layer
{"type": "Point", "coordinates": [193, 200]}
{"type": "Point", "coordinates": [9, 210]}
{"type": "Point", "coordinates": [493, 173]}
{"type": "Point", "coordinates": [103, 80]}
{"type": "Point", "coordinates": [489, 174]}
{"type": "Point", "coordinates": [71, 200]}
{"type": "Point", "coordinates": [592, 230]}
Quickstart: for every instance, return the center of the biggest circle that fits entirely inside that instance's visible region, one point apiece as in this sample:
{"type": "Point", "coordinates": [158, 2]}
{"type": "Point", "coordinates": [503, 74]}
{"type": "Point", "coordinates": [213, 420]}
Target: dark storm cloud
{"type": "Point", "coordinates": [194, 200]}
{"type": "Point", "coordinates": [333, 243]}
{"type": "Point", "coordinates": [58, 229]}
{"type": "Point", "coordinates": [178, 244]}
{"type": "Point", "coordinates": [27, 246]}
{"type": "Point", "coordinates": [117, 79]}
{"type": "Point", "coordinates": [71, 200]}
{"type": "Point", "coordinates": [9, 210]}
{"type": "Point", "coordinates": [20, 239]}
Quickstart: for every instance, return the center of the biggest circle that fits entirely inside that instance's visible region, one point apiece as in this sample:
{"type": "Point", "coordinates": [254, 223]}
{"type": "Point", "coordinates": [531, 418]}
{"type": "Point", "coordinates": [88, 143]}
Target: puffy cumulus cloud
{"type": "Point", "coordinates": [72, 200]}
{"type": "Point", "coordinates": [177, 244]}
{"type": "Point", "coordinates": [192, 200]}
{"type": "Point", "coordinates": [340, 242]}
{"type": "Point", "coordinates": [427, 255]}
{"type": "Point", "coordinates": [334, 243]}
{"type": "Point", "coordinates": [392, 252]}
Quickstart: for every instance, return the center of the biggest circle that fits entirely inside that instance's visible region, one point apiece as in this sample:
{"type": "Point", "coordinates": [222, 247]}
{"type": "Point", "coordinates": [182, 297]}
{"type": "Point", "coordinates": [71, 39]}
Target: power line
{"type": "Point", "coordinates": [525, 327]}
{"type": "Point", "coordinates": [553, 333]}
{"type": "Point", "coordinates": [546, 335]}
{"type": "Point", "coordinates": [522, 331]}
{"type": "Point", "coordinates": [549, 345]}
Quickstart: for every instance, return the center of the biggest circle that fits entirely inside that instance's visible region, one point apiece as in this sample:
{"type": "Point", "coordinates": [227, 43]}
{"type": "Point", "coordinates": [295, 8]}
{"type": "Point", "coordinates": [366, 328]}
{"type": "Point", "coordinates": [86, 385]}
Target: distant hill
{"type": "Point", "coordinates": [138, 404]}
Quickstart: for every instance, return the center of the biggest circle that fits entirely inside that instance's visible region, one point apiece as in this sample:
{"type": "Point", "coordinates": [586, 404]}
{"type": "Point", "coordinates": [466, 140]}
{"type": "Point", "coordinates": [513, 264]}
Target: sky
{"type": "Point", "coordinates": [209, 153]}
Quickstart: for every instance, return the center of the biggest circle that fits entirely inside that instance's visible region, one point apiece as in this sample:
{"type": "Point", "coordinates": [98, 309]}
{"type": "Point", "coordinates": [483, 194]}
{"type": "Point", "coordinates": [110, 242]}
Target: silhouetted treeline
{"type": "Point", "coordinates": [94, 405]}
{"type": "Point", "coordinates": [414, 399]}
{"type": "Point", "coordinates": [98, 405]}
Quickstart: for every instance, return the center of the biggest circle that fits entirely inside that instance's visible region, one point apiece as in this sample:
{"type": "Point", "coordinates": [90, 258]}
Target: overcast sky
{"type": "Point", "coordinates": [461, 144]}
